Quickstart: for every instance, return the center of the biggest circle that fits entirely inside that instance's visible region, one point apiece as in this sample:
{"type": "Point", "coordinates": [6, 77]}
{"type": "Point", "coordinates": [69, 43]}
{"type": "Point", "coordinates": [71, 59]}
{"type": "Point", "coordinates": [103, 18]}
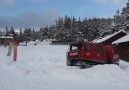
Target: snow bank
{"type": "Point", "coordinates": [124, 66]}
{"type": "Point", "coordinates": [43, 67]}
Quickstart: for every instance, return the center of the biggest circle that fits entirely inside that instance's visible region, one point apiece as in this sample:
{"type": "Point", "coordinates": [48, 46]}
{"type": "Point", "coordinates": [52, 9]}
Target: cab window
{"type": "Point", "coordinates": [88, 47]}
{"type": "Point", "coordinates": [76, 47]}
{"type": "Point", "coordinates": [99, 48]}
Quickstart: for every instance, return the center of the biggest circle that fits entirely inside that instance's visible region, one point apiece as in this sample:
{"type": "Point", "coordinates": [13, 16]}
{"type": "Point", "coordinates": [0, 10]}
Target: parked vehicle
{"type": "Point", "coordinates": [88, 54]}
{"type": "Point", "coordinates": [56, 42]}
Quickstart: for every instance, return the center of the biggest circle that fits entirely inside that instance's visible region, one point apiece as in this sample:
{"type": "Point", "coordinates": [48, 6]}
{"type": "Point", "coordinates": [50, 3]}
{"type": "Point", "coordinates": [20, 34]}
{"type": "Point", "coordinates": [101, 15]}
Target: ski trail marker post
{"type": "Point", "coordinates": [15, 50]}
{"type": "Point", "coordinates": [10, 48]}
{"type": "Point", "coordinates": [13, 45]}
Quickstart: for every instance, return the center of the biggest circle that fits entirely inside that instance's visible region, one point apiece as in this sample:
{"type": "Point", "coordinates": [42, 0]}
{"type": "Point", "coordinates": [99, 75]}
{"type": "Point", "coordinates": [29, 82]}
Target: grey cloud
{"type": "Point", "coordinates": [30, 19]}
{"type": "Point", "coordinates": [8, 3]}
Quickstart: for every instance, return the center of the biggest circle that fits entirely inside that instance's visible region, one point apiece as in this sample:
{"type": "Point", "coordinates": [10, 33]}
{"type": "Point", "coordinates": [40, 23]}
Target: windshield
{"type": "Point", "coordinates": [76, 47]}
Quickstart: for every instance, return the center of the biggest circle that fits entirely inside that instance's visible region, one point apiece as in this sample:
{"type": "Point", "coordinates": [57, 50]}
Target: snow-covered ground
{"type": "Point", "coordinates": [43, 67]}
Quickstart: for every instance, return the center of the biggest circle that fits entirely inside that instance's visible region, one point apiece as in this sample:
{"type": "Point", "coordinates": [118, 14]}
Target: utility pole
{"type": "Point", "coordinates": [72, 32]}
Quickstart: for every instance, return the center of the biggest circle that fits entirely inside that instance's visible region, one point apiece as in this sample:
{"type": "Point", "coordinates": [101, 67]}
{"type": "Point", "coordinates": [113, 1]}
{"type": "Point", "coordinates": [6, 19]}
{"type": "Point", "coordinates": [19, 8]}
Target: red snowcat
{"type": "Point", "coordinates": [85, 55]}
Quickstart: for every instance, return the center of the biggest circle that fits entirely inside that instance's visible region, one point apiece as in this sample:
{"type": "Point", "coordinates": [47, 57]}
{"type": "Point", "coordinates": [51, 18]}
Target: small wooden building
{"type": "Point", "coordinates": [123, 47]}
{"type": "Point", "coordinates": [5, 39]}
{"type": "Point", "coordinates": [111, 38]}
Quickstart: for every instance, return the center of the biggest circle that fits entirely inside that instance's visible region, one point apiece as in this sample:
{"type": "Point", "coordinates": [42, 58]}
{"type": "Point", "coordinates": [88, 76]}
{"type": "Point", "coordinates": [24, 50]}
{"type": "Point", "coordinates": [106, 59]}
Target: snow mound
{"type": "Point", "coordinates": [124, 66]}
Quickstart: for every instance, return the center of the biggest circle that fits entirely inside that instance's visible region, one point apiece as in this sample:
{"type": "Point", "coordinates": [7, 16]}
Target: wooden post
{"type": "Point", "coordinates": [15, 50]}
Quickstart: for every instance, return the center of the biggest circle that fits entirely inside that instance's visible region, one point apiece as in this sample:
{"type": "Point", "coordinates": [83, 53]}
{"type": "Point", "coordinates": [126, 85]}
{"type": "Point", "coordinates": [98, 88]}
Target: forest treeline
{"type": "Point", "coordinates": [66, 29]}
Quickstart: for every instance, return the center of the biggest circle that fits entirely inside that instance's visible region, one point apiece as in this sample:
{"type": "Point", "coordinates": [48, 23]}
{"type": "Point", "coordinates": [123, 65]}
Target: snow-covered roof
{"type": "Point", "coordinates": [6, 37]}
{"type": "Point", "coordinates": [108, 37]}
{"type": "Point", "coordinates": [121, 40]}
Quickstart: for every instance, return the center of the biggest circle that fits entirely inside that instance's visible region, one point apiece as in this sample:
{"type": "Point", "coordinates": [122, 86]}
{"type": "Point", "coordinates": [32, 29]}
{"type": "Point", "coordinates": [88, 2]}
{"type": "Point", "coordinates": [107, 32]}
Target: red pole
{"type": "Point", "coordinates": [15, 50]}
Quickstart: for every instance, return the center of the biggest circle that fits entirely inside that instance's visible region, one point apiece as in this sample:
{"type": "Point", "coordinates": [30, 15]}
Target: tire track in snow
{"type": "Point", "coordinates": [9, 83]}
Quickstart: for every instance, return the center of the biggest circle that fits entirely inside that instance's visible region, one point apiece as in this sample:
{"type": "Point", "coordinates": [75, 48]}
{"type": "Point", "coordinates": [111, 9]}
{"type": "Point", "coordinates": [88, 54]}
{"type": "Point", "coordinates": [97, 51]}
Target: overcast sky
{"type": "Point", "coordinates": [37, 13]}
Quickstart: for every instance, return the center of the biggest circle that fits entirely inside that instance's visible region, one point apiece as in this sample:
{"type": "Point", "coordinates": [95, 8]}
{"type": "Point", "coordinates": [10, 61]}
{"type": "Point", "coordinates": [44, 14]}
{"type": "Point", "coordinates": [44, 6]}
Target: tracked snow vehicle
{"type": "Point", "coordinates": [85, 55]}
